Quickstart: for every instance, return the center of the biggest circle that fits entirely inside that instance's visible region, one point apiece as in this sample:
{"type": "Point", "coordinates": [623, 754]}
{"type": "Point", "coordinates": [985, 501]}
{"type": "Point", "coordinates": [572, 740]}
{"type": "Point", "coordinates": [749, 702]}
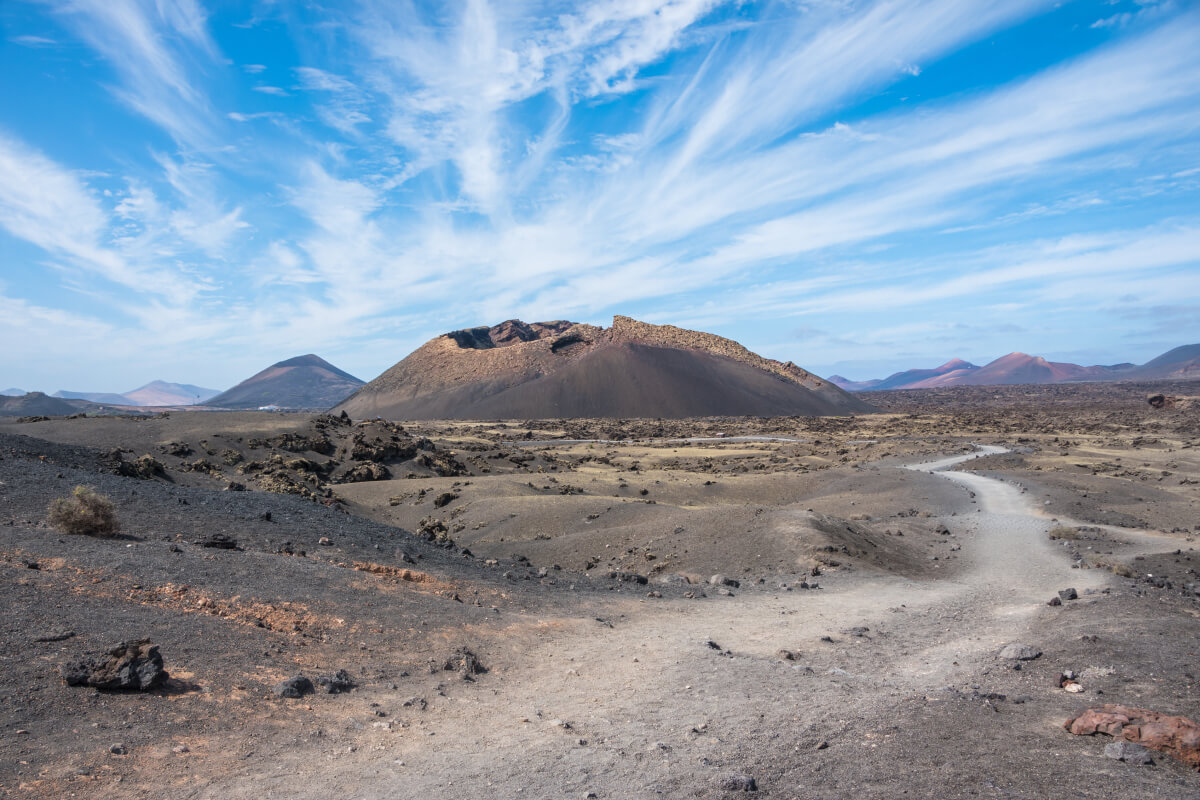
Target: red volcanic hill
{"type": "Point", "coordinates": [304, 382]}
{"type": "Point", "coordinates": [1023, 368]}
{"type": "Point", "coordinates": [539, 370]}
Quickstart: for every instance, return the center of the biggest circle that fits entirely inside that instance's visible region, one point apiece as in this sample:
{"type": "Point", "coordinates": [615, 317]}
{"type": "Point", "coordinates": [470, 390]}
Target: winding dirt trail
{"type": "Point", "coordinates": [641, 705]}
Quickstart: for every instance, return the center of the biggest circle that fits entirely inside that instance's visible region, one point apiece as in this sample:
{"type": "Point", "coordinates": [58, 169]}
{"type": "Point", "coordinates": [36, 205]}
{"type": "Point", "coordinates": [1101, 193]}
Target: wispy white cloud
{"type": "Point", "coordinates": [563, 159]}
{"type": "Point", "coordinates": [144, 43]}
{"type": "Point", "coordinates": [30, 40]}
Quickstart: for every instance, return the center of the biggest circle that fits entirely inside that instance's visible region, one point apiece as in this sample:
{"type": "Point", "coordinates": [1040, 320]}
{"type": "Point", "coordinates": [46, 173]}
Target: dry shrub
{"type": "Point", "coordinates": [1063, 532]}
{"type": "Point", "coordinates": [1112, 565]}
{"type": "Point", "coordinates": [84, 513]}
{"type": "Point", "coordinates": [1124, 570]}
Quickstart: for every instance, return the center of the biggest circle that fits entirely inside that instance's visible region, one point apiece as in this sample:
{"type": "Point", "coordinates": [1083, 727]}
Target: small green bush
{"type": "Point", "coordinates": [84, 513]}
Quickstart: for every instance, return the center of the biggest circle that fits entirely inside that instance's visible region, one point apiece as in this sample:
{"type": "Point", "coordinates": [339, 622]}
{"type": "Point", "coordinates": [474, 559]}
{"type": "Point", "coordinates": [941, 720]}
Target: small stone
{"type": "Point", "coordinates": [1128, 752]}
{"type": "Point", "coordinates": [181, 748]}
{"type": "Point", "coordinates": [1068, 594]}
{"type": "Point", "coordinates": [1054, 601]}
{"type": "Point", "coordinates": [325, 541]}
{"type": "Point", "coordinates": [739, 782]}
{"type": "Point", "coordinates": [1019, 652]}
{"type": "Point", "coordinates": [1073, 687]}
{"type": "Point", "coordinates": [822, 745]}
{"type": "Point", "coordinates": [118, 750]}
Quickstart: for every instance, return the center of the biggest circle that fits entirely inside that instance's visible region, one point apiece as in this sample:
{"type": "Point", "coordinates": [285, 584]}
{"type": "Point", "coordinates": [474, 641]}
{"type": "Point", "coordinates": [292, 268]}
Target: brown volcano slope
{"type": "Point", "coordinates": [304, 382]}
{"type": "Point", "coordinates": [562, 369]}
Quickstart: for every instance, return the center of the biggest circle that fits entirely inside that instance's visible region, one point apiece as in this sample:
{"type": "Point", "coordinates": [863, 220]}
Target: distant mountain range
{"type": "Point", "coordinates": [1181, 363]}
{"type": "Point", "coordinates": [155, 393]}
{"type": "Point", "coordinates": [305, 382]}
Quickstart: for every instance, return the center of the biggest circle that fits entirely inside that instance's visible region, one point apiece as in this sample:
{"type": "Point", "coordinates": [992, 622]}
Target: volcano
{"type": "Point", "coordinates": [559, 369]}
{"type": "Point", "coordinates": [304, 382]}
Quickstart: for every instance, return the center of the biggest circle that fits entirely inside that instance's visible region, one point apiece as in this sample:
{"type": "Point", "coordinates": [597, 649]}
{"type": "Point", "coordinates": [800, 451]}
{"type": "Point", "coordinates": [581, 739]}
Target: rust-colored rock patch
{"type": "Point", "coordinates": [1176, 736]}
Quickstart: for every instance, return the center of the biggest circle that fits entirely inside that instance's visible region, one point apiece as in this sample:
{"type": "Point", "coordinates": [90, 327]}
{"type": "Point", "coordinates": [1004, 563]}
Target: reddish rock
{"type": "Point", "coordinates": [1175, 736]}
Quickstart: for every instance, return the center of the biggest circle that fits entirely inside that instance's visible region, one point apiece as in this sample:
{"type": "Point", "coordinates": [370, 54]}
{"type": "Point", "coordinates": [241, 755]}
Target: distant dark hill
{"type": "Point", "coordinates": [562, 369]}
{"type": "Point", "coordinates": [35, 404]}
{"type": "Point", "coordinates": [1182, 363]}
{"type": "Point", "coordinates": [304, 382]}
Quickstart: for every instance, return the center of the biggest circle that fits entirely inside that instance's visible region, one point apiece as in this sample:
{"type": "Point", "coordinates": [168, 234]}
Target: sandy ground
{"type": "Point", "coordinates": [931, 535]}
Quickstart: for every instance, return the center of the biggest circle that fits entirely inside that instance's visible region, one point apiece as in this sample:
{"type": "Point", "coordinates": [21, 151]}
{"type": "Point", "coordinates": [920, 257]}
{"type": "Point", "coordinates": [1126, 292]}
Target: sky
{"type": "Point", "coordinates": [193, 190]}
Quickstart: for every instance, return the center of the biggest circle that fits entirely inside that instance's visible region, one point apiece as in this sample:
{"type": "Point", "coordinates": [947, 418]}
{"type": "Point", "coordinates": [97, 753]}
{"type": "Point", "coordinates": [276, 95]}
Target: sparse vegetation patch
{"type": "Point", "coordinates": [84, 513]}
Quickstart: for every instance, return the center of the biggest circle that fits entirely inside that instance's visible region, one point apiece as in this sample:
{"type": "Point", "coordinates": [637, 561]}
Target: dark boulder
{"type": "Point", "coordinates": [130, 666]}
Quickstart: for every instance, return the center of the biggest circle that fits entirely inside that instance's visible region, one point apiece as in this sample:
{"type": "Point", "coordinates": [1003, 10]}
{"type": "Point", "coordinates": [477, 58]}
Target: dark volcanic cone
{"type": "Point", "coordinates": [304, 382]}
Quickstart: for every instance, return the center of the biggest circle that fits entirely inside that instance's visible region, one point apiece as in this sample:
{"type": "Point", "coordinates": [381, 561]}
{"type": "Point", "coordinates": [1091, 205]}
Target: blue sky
{"type": "Point", "coordinates": [192, 191]}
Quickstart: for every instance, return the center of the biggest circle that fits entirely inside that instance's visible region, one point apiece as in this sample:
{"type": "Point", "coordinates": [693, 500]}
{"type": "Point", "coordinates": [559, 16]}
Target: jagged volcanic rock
{"type": "Point", "coordinates": [520, 370]}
